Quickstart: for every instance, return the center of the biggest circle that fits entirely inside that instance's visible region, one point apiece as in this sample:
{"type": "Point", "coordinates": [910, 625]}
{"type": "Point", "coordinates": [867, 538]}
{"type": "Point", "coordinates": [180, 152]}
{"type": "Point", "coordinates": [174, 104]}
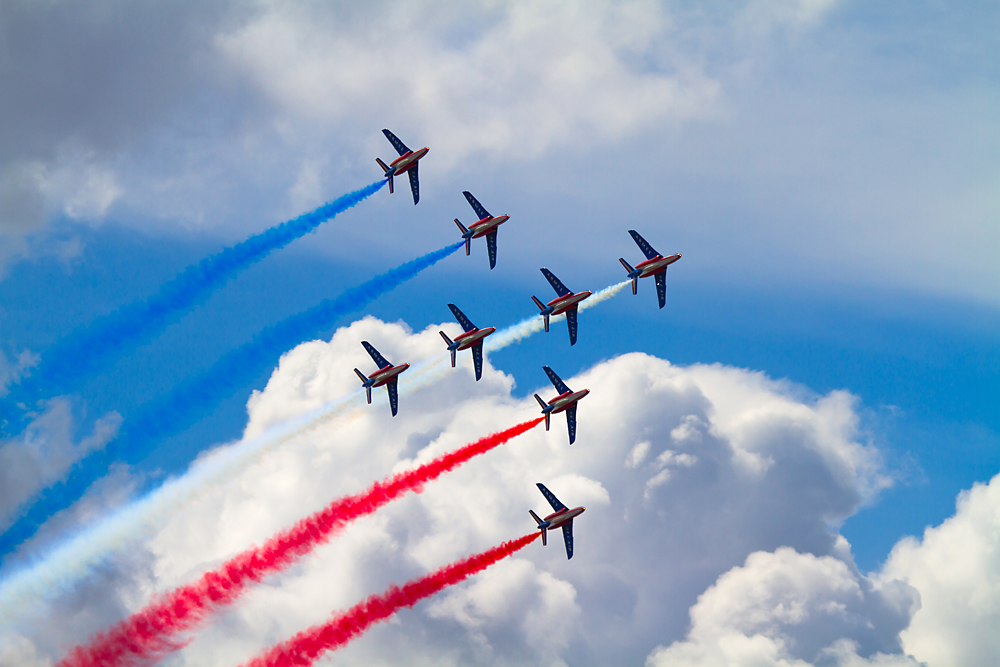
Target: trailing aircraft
{"type": "Point", "coordinates": [387, 375]}
{"type": "Point", "coordinates": [564, 402]}
{"type": "Point", "coordinates": [407, 163]}
{"type": "Point", "coordinates": [561, 517]}
{"type": "Point", "coordinates": [472, 338]}
{"type": "Point", "coordinates": [487, 226]}
{"type": "Point", "coordinates": [655, 265]}
{"type": "Point", "coordinates": [566, 302]}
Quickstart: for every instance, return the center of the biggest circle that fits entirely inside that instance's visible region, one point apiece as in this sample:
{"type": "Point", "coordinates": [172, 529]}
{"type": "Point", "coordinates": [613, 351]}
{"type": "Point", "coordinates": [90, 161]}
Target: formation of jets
{"type": "Point", "coordinates": [566, 302]}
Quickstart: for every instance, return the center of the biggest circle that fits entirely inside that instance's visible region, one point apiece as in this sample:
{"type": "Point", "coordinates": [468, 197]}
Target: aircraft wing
{"type": "Point", "coordinates": [477, 359]}
{"type": "Point", "coordinates": [557, 285]}
{"type": "Point", "coordinates": [376, 357]}
{"type": "Point", "coordinates": [571, 422]}
{"type": "Point", "coordinates": [415, 182]}
{"type": "Point", "coordinates": [392, 386]}
{"type": "Point", "coordinates": [462, 319]}
{"type": "Point", "coordinates": [661, 287]}
{"type": "Point", "coordinates": [396, 143]}
{"type": "Point", "coordinates": [491, 247]}
{"type": "Point", "coordinates": [646, 249]}
{"type": "Point", "coordinates": [556, 380]}
{"type": "Point", "coordinates": [568, 538]}
{"type": "Point", "coordinates": [571, 322]}
{"type": "Point", "coordinates": [556, 505]}
{"type": "Point", "coordinates": [476, 206]}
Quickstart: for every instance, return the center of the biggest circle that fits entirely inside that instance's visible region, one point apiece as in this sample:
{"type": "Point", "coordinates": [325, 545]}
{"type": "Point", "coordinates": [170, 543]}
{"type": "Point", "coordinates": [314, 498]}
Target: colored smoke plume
{"type": "Point", "coordinates": [305, 647]}
{"type": "Point", "coordinates": [153, 631]}
{"type": "Point", "coordinates": [198, 396]}
{"type": "Point", "coordinates": [84, 352]}
{"type": "Point", "coordinates": [76, 557]}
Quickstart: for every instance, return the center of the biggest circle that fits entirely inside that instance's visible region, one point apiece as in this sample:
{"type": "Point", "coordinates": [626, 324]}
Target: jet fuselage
{"type": "Point", "coordinates": [565, 400]}
{"type": "Point", "coordinates": [469, 338]}
{"type": "Point", "coordinates": [383, 375]}
{"type": "Point", "coordinates": [653, 266]}
{"type": "Point", "coordinates": [486, 225]}
{"type": "Point", "coordinates": [563, 303]}
{"type": "Point", "coordinates": [557, 519]}
{"type": "Point", "coordinates": [404, 163]}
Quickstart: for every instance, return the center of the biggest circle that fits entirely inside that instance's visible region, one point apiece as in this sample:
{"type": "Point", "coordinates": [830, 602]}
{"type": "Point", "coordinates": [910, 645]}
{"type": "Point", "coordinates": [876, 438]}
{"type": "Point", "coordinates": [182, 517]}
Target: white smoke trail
{"type": "Point", "coordinates": [22, 592]}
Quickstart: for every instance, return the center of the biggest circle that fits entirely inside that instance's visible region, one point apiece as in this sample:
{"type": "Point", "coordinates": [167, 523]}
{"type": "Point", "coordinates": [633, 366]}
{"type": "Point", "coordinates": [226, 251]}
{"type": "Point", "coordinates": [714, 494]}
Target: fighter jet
{"type": "Point", "coordinates": [564, 402]}
{"type": "Point", "coordinates": [407, 162]}
{"type": "Point", "coordinates": [655, 265]}
{"type": "Point", "coordinates": [487, 226]}
{"type": "Point", "coordinates": [562, 517]}
{"type": "Point", "coordinates": [472, 338]}
{"type": "Point", "coordinates": [567, 302]}
{"type": "Point", "coordinates": [386, 375]}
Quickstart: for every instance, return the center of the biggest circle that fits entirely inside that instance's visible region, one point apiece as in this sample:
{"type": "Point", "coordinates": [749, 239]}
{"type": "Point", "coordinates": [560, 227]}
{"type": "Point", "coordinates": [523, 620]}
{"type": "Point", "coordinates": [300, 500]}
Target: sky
{"type": "Point", "coordinates": [791, 464]}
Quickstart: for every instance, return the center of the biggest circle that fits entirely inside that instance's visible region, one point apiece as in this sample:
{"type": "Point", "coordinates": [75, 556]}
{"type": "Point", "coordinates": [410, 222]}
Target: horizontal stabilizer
{"type": "Point", "coordinates": [446, 339]}
{"type": "Point", "coordinates": [385, 167]}
{"type": "Point", "coordinates": [364, 378]}
{"type": "Point", "coordinates": [541, 306]}
{"type": "Point", "coordinates": [535, 517]}
{"type": "Point", "coordinates": [541, 402]}
{"type": "Point", "coordinates": [628, 267]}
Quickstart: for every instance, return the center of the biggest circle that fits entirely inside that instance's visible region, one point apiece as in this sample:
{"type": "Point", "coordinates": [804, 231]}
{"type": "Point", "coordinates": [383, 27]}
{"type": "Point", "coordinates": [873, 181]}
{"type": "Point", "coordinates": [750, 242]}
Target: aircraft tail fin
{"type": "Point", "coordinates": [630, 270]}
{"type": "Point", "coordinates": [541, 307]}
{"type": "Point", "coordinates": [385, 168]}
{"type": "Point", "coordinates": [364, 381]}
{"type": "Point", "coordinates": [450, 343]}
{"type": "Point", "coordinates": [467, 236]}
{"type": "Point", "coordinates": [534, 516]}
{"type": "Point", "coordinates": [548, 416]}
{"type": "Point", "coordinates": [445, 336]}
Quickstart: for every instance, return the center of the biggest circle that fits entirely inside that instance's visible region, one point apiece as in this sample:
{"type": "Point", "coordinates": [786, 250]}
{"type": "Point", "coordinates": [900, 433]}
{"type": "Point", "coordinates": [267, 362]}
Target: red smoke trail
{"type": "Point", "coordinates": [305, 647]}
{"type": "Point", "coordinates": [150, 633]}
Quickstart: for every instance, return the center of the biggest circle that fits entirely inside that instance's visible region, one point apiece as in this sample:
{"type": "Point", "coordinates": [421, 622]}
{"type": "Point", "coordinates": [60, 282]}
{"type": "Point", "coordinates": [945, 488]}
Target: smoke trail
{"type": "Point", "coordinates": [304, 648]}
{"type": "Point", "coordinates": [196, 397]}
{"type": "Point", "coordinates": [77, 557]}
{"type": "Point", "coordinates": [152, 632]}
{"type": "Point", "coordinates": [84, 352]}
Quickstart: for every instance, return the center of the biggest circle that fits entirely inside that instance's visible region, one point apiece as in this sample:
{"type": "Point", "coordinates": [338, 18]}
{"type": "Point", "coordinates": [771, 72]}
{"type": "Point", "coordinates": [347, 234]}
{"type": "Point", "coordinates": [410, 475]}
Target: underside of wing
{"type": "Point", "coordinates": [476, 206]}
{"type": "Point", "coordinates": [567, 529]}
{"type": "Point", "coordinates": [491, 247]}
{"type": "Point", "coordinates": [571, 423]}
{"type": "Point", "coordinates": [557, 285]}
{"type": "Point", "coordinates": [477, 359]}
{"type": "Point", "coordinates": [571, 322]}
{"type": "Point", "coordinates": [414, 182]}
{"type": "Point", "coordinates": [464, 321]}
{"type": "Point", "coordinates": [646, 249]}
{"type": "Point", "coordinates": [555, 380]}
{"type": "Point", "coordinates": [392, 387]}
{"type": "Point", "coordinates": [396, 143]}
{"type": "Point", "coordinates": [381, 361]}
{"type": "Point", "coordinates": [549, 496]}
{"type": "Point", "coordinates": [661, 288]}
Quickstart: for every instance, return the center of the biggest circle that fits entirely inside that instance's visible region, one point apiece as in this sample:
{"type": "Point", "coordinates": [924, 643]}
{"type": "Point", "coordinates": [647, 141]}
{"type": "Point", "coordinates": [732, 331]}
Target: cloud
{"type": "Point", "coordinates": [43, 453]}
{"type": "Point", "coordinates": [786, 609]}
{"type": "Point", "coordinates": [755, 465]}
{"type": "Point", "coordinates": [956, 568]}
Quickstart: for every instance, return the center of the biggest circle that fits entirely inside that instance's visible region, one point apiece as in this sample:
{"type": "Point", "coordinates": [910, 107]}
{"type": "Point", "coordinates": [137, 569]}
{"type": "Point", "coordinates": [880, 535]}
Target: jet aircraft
{"type": "Point", "coordinates": [407, 162]}
{"type": "Point", "coordinates": [562, 517]}
{"type": "Point", "coordinates": [387, 375]}
{"type": "Point", "coordinates": [564, 402]}
{"type": "Point", "coordinates": [487, 226]}
{"type": "Point", "coordinates": [655, 265]}
{"type": "Point", "coordinates": [566, 302]}
{"type": "Point", "coordinates": [472, 338]}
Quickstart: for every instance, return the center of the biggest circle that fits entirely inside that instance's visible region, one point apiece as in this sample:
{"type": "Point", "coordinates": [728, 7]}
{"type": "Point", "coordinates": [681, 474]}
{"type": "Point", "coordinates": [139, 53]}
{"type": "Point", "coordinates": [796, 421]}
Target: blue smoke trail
{"type": "Point", "coordinates": [196, 397]}
{"type": "Point", "coordinates": [68, 362]}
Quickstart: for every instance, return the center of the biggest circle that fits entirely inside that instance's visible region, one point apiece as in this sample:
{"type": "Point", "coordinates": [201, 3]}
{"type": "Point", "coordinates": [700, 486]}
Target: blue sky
{"type": "Point", "coordinates": [829, 171]}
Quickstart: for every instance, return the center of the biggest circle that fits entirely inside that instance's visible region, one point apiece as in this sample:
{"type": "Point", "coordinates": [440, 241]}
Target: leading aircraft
{"type": "Point", "coordinates": [487, 226]}
{"type": "Point", "coordinates": [562, 517]}
{"type": "Point", "coordinates": [472, 338]}
{"type": "Point", "coordinates": [566, 302]}
{"type": "Point", "coordinates": [564, 402]}
{"type": "Point", "coordinates": [387, 375]}
{"type": "Point", "coordinates": [407, 162]}
{"type": "Point", "coordinates": [655, 265]}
